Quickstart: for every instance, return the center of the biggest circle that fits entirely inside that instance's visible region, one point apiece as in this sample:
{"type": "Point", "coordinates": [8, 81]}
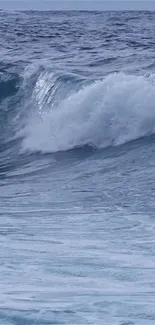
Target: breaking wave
{"type": "Point", "coordinates": [67, 113]}
{"type": "Point", "coordinates": [57, 112]}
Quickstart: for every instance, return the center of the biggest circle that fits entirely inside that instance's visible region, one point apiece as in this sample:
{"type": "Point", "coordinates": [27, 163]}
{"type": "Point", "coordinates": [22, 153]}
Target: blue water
{"type": "Point", "coordinates": [77, 168]}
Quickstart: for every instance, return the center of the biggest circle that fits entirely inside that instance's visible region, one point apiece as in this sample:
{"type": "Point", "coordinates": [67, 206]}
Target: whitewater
{"type": "Point", "coordinates": [108, 112]}
{"type": "Point", "coordinates": [77, 168]}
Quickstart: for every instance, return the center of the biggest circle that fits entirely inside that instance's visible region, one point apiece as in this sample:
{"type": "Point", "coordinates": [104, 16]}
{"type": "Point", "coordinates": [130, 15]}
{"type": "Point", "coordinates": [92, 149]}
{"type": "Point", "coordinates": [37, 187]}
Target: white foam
{"type": "Point", "coordinates": [113, 111]}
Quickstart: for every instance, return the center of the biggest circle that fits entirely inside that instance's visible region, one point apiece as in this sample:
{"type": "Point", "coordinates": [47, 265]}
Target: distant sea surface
{"type": "Point", "coordinates": [77, 168]}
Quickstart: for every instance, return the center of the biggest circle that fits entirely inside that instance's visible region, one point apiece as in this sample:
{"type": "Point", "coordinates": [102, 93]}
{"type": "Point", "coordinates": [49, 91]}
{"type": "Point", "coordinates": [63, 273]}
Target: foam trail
{"type": "Point", "coordinates": [113, 111]}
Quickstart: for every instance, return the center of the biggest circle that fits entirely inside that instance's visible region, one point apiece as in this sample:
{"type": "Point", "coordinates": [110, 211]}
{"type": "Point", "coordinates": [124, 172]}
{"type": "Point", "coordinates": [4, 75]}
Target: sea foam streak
{"type": "Point", "coordinates": [109, 112]}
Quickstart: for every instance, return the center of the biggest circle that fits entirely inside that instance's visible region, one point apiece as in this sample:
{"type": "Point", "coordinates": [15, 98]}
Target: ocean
{"type": "Point", "coordinates": [77, 168]}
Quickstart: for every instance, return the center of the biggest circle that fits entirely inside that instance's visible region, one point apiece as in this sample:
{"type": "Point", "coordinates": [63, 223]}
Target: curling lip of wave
{"type": "Point", "coordinates": [110, 112]}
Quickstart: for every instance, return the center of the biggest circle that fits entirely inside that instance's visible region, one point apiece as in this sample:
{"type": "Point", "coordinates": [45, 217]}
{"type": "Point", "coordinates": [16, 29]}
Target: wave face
{"type": "Point", "coordinates": [64, 112]}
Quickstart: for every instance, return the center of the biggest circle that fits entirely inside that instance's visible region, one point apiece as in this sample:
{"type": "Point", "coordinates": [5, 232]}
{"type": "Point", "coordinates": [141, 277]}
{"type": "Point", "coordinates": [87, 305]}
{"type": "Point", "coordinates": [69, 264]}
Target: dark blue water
{"type": "Point", "coordinates": [77, 168]}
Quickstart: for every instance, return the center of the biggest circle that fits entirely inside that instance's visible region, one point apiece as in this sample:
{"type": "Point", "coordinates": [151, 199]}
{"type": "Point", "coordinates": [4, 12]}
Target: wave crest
{"type": "Point", "coordinates": [66, 114]}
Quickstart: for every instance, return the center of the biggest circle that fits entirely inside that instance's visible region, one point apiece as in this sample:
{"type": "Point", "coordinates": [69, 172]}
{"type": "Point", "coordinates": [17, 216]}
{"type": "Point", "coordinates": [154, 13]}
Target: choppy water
{"type": "Point", "coordinates": [77, 168]}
